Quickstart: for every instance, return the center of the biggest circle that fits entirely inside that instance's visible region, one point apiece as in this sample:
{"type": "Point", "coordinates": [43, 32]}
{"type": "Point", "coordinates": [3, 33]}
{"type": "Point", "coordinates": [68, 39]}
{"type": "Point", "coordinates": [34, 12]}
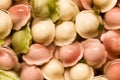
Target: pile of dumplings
{"type": "Point", "coordinates": [60, 40]}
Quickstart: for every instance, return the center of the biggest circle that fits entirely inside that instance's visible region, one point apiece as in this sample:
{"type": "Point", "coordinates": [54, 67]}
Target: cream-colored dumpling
{"type": "Point", "coordinates": [80, 71]}
{"type": "Point", "coordinates": [104, 5]}
{"type": "Point", "coordinates": [68, 9]}
{"type": "Point", "coordinates": [5, 4]}
{"type": "Point", "coordinates": [53, 70]}
{"type": "Point", "coordinates": [5, 25]}
{"type": "Point", "coordinates": [65, 33]}
{"type": "Point", "coordinates": [43, 31]}
{"type": "Point", "coordinates": [87, 24]}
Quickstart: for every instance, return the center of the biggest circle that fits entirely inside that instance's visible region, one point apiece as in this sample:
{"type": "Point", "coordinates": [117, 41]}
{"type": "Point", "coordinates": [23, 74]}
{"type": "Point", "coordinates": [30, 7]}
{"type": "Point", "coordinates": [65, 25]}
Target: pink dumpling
{"type": "Point", "coordinates": [112, 19]}
{"type": "Point", "coordinates": [30, 72]}
{"type": "Point", "coordinates": [20, 15]}
{"type": "Point", "coordinates": [94, 52]}
{"type": "Point", "coordinates": [111, 41]}
{"type": "Point", "coordinates": [39, 54]}
{"type": "Point", "coordinates": [8, 59]}
{"type": "Point", "coordinates": [112, 69]}
{"type": "Point", "coordinates": [70, 54]}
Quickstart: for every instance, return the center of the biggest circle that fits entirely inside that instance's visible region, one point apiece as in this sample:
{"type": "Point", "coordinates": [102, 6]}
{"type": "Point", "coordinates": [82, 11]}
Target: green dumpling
{"type": "Point", "coordinates": [21, 40]}
{"type": "Point", "coordinates": [8, 75]}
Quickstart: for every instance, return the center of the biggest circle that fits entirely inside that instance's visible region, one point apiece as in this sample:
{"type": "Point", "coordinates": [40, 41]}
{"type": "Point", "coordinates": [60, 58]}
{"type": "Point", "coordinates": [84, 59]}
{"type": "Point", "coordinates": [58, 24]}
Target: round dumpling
{"type": "Point", "coordinates": [65, 33]}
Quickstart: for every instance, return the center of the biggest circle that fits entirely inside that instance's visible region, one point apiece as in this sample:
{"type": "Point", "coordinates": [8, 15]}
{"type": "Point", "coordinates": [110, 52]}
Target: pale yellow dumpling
{"type": "Point", "coordinates": [53, 70]}
{"type": "Point", "coordinates": [80, 71]}
{"type": "Point", "coordinates": [43, 31]}
{"type": "Point", "coordinates": [87, 24]}
{"type": "Point", "coordinates": [67, 10]}
{"type": "Point", "coordinates": [76, 72]}
{"type": "Point", "coordinates": [5, 4]}
{"type": "Point", "coordinates": [104, 5]}
{"type": "Point", "coordinates": [5, 25]}
{"type": "Point", "coordinates": [65, 33]}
